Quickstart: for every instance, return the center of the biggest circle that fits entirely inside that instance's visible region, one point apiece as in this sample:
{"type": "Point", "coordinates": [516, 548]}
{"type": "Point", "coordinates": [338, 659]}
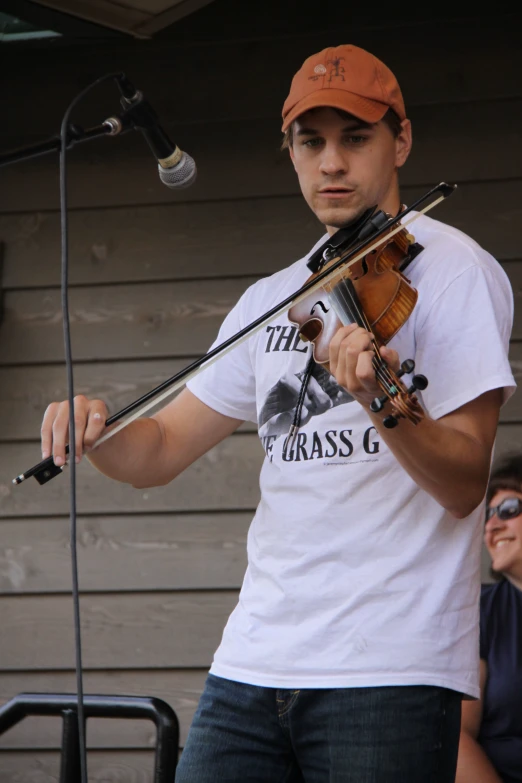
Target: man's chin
{"type": "Point", "coordinates": [338, 218]}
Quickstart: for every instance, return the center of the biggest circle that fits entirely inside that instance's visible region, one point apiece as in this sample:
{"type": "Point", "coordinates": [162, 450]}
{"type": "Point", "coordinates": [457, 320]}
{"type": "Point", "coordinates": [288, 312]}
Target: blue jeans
{"type": "Point", "coordinates": [405, 734]}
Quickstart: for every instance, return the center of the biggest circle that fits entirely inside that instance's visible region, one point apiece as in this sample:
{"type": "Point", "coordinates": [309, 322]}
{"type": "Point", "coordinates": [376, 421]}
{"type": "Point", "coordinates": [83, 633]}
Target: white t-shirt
{"type": "Point", "coordinates": [356, 576]}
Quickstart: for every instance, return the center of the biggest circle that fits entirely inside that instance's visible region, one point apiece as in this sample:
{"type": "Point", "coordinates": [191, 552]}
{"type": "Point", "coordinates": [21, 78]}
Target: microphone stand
{"type": "Point", "coordinates": [112, 126]}
{"type": "Point", "coordinates": [136, 115]}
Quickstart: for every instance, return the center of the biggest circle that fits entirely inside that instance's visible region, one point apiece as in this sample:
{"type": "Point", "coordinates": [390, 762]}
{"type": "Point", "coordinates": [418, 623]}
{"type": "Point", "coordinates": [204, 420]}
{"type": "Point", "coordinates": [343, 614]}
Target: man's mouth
{"type": "Point", "coordinates": [335, 192]}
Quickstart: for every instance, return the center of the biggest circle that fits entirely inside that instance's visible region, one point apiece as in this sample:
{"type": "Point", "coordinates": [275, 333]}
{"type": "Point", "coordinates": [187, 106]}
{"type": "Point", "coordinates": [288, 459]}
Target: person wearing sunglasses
{"type": "Point", "coordinates": [490, 749]}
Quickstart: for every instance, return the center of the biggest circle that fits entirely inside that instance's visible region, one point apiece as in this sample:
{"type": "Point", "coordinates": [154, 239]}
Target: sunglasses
{"type": "Point", "coordinates": [509, 508]}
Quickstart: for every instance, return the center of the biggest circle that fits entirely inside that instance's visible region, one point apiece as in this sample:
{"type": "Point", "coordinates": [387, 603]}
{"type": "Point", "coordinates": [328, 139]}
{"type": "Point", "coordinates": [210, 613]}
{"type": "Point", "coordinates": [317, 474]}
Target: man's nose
{"type": "Point", "coordinates": [332, 160]}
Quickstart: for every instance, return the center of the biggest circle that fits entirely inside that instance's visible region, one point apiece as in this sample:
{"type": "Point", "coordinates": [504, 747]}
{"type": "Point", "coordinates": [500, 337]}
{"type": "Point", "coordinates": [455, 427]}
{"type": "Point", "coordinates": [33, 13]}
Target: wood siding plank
{"type": "Point", "coordinates": [124, 172]}
{"type": "Point", "coordinates": [180, 241]}
{"type": "Point", "coordinates": [163, 242]}
{"type": "Point", "coordinates": [150, 320]}
{"type": "Point", "coordinates": [225, 478]}
{"type": "Point", "coordinates": [138, 552]}
{"type": "Point", "coordinates": [104, 767]}
{"type": "Point", "coordinates": [181, 319]}
{"type": "Point", "coordinates": [124, 631]}
{"type": "Point", "coordinates": [129, 553]}
{"type": "Point", "coordinates": [25, 392]}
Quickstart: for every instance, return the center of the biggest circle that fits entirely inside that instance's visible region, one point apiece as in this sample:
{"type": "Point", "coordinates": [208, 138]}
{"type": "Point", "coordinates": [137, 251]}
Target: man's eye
{"type": "Point", "coordinates": [356, 139]}
{"type": "Point", "coordinates": [312, 142]}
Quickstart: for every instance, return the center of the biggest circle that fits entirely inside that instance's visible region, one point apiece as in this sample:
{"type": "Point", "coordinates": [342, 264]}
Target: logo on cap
{"type": "Point", "coordinates": [336, 71]}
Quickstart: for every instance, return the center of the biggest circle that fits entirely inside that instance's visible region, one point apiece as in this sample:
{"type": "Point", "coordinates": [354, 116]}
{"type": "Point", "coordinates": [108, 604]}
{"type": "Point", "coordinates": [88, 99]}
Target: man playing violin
{"type": "Point", "coordinates": [355, 637]}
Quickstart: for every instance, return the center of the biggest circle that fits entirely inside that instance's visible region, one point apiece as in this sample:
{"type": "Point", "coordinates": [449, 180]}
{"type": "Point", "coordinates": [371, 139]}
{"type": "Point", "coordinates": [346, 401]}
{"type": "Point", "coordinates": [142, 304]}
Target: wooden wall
{"type": "Point", "coordinates": [153, 273]}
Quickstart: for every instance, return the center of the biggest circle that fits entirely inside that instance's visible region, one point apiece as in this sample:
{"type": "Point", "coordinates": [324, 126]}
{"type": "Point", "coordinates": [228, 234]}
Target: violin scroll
{"type": "Point", "coordinates": [403, 400]}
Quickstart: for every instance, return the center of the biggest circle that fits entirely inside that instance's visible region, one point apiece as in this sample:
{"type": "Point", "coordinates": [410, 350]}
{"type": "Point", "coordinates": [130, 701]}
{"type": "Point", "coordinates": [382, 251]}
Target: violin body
{"type": "Point", "coordinates": [374, 283]}
{"type": "Point", "coordinates": [373, 293]}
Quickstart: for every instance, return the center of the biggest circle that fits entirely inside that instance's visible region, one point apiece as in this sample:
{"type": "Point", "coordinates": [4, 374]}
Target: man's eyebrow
{"type": "Point", "coordinates": [359, 125]}
{"type": "Point", "coordinates": [307, 132]}
{"type": "Point", "coordinates": [353, 126]}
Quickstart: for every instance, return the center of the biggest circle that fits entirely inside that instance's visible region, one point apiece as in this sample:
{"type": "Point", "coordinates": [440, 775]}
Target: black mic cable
{"type": "Point", "coordinates": [64, 231]}
{"type": "Point", "coordinates": [177, 170]}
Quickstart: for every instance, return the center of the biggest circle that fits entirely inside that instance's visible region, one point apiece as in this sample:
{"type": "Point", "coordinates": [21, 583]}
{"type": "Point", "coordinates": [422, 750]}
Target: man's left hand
{"type": "Point", "coordinates": [351, 356]}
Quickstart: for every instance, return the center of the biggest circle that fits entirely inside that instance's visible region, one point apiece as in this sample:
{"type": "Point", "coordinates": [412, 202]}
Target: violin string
{"type": "Point", "coordinates": [381, 368]}
{"type": "Point", "coordinates": [345, 294]}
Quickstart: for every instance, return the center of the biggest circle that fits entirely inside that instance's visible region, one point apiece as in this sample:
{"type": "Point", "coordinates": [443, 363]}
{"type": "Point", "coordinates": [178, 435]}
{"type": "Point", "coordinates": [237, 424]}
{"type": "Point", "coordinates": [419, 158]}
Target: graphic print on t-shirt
{"type": "Point", "coordinates": [322, 393]}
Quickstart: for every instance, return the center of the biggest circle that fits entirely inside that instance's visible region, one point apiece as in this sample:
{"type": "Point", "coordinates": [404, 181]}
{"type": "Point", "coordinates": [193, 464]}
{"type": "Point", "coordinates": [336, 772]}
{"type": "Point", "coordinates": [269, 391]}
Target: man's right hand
{"type": "Point", "coordinates": [89, 419]}
{"type": "Point", "coordinates": [149, 452]}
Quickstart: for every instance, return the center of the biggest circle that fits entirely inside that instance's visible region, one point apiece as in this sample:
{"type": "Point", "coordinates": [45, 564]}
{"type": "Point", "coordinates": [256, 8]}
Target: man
{"type": "Point", "coordinates": [355, 635]}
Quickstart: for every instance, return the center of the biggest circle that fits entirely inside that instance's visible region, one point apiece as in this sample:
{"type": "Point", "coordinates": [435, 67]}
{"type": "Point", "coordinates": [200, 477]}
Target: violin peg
{"type": "Point", "coordinates": [377, 404]}
{"type": "Point", "coordinates": [419, 383]}
{"type": "Point", "coordinates": [390, 422]}
{"type": "Point", "coordinates": [407, 366]}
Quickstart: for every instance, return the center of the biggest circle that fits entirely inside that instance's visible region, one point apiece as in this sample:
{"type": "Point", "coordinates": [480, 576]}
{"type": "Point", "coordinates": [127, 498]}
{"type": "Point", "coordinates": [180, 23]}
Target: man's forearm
{"type": "Point", "coordinates": [132, 456]}
{"type": "Point", "coordinates": [449, 457]}
{"type": "Point", "coordinates": [450, 465]}
{"type": "Point", "coordinates": [473, 764]}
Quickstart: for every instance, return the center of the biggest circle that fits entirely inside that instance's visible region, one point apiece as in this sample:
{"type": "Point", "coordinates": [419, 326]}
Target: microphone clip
{"type": "Point", "coordinates": [139, 113]}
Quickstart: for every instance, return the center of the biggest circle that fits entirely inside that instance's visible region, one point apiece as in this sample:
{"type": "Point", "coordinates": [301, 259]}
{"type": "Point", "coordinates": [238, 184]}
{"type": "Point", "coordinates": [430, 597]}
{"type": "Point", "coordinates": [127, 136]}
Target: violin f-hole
{"type": "Point", "coordinates": [321, 305]}
{"type": "Point", "coordinates": [311, 330]}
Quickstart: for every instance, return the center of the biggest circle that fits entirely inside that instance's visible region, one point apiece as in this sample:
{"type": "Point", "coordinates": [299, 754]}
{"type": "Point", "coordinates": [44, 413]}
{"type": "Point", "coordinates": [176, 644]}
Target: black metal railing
{"type": "Point", "coordinates": [66, 706]}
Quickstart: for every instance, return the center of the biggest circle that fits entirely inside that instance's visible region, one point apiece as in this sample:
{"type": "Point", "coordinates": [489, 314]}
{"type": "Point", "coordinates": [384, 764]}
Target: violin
{"type": "Point", "coordinates": [358, 266]}
{"type": "Point", "coordinates": [374, 293]}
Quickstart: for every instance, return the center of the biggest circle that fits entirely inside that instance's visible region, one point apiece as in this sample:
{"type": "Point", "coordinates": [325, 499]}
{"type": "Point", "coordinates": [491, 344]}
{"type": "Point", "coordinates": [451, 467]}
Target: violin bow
{"type": "Point", "coordinates": [45, 470]}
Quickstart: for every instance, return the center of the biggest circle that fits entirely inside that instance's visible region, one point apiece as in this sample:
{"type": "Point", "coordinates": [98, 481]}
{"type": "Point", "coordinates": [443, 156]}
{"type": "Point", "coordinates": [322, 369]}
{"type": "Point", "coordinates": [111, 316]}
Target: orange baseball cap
{"type": "Point", "coordinates": [348, 78]}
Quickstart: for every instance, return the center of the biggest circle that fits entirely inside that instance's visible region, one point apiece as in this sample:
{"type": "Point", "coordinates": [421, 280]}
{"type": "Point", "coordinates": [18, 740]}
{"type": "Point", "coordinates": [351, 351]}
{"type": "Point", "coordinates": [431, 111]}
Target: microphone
{"type": "Point", "coordinates": [176, 169]}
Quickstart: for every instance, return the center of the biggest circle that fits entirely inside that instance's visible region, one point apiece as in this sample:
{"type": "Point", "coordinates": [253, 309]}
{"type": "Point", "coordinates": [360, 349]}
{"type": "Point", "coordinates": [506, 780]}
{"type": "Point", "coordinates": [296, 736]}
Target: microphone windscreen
{"type": "Point", "coordinates": [182, 175]}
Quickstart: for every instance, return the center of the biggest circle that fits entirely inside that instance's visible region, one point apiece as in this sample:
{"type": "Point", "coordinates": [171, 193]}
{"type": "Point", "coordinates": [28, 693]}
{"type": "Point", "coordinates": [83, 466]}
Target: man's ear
{"type": "Point", "coordinates": [292, 158]}
{"type": "Point", "coordinates": [403, 144]}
